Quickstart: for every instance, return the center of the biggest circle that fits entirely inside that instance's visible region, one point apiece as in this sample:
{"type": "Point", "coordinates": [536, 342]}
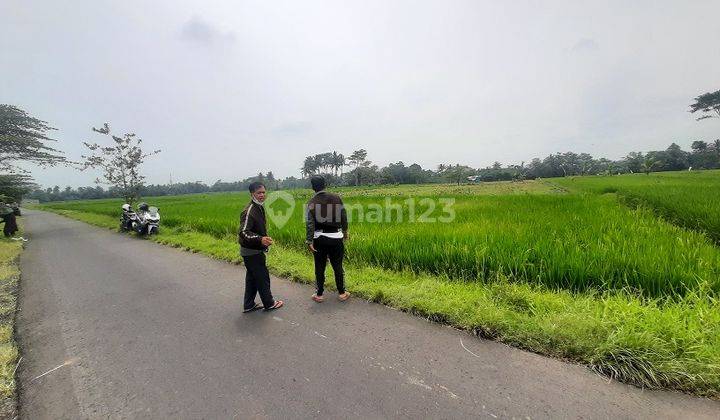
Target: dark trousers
{"type": "Point", "coordinates": [257, 280]}
{"type": "Point", "coordinates": [10, 225]}
{"type": "Point", "coordinates": [335, 250]}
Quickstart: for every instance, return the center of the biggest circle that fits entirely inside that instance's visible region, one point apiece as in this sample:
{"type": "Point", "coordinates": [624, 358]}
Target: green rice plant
{"type": "Point", "coordinates": [564, 241]}
{"type": "Point", "coordinates": [649, 342]}
{"type": "Point", "coordinates": [690, 199]}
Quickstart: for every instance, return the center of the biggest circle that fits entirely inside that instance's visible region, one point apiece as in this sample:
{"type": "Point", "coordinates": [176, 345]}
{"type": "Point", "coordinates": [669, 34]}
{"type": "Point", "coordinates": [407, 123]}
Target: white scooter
{"type": "Point", "coordinates": [148, 220]}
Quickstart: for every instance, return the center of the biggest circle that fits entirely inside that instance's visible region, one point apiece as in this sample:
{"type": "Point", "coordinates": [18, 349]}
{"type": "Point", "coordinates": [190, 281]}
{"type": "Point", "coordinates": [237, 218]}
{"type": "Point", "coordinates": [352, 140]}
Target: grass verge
{"type": "Point", "coordinates": [652, 343]}
{"type": "Point", "coordinates": [9, 276]}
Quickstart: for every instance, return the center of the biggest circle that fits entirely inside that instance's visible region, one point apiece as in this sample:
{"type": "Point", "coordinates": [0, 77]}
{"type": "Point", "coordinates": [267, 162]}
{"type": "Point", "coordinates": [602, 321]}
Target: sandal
{"type": "Point", "coordinates": [254, 308]}
{"type": "Point", "coordinates": [276, 305]}
{"type": "Point", "coordinates": [318, 299]}
{"type": "Point", "coordinates": [343, 297]}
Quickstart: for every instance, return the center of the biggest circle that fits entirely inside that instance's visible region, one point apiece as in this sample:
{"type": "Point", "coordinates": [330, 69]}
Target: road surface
{"type": "Point", "coordinates": [112, 326]}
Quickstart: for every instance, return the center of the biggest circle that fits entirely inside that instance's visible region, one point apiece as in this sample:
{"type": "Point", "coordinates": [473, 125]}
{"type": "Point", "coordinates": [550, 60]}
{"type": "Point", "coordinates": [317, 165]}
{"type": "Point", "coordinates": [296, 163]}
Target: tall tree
{"type": "Point", "coordinates": [340, 162]}
{"type": "Point", "coordinates": [457, 173]}
{"type": "Point", "coordinates": [634, 161]}
{"type": "Point", "coordinates": [358, 159]}
{"type": "Point", "coordinates": [708, 104]}
{"type": "Point", "coordinates": [120, 162]}
{"type": "Point", "coordinates": [24, 138]}
{"type": "Point", "coordinates": [716, 147]}
{"type": "Point", "coordinates": [15, 186]}
{"type": "Point", "coordinates": [676, 158]}
{"type": "Point", "coordinates": [309, 166]}
{"type": "Point", "coordinates": [334, 162]}
{"type": "Point", "coordinates": [270, 179]}
{"type": "Point", "coordinates": [699, 146]}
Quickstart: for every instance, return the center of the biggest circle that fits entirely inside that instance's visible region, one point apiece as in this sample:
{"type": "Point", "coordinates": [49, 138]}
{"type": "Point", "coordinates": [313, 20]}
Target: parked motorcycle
{"type": "Point", "coordinates": [148, 220]}
{"type": "Point", "coordinates": [129, 219]}
{"type": "Point", "coordinates": [145, 221]}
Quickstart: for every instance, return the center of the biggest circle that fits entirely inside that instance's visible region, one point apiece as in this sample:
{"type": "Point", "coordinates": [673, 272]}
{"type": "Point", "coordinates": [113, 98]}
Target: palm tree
{"type": "Point", "coordinates": [334, 162]}
{"type": "Point", "coordinates": [341, 162]}
{"type": "Point", "coordinates": [648, 165]}
{"type": "Point", "coordinates": [358, 158]}
{"type": "Point", "coordinates": [319, 162]}
{"type": "Point", "coordinates": [309, 166]}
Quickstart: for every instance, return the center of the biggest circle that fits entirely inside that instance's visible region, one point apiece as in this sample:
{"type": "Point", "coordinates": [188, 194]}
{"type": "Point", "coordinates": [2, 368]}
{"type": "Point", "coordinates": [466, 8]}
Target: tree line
{"type": "Point", "coordinates": [361, 171]}
{"type": "Point", "coordinates": [24, 138]}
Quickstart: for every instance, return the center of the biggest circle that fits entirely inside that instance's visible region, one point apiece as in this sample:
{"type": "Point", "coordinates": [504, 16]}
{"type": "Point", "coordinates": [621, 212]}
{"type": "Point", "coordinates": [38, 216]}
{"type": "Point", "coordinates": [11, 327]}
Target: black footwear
{"type": "Point", "coordinates": [278, 304]}
{"type": "Point", "coordinates": [254, 308]}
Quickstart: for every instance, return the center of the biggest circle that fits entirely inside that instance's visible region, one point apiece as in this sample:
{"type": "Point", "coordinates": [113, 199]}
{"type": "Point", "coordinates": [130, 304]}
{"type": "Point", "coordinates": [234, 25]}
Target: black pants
{"type": "Point", "coordinates": [334, 249]}
{"type": "Point", "coordinates": [257, 280]}
{"type": "Point", "coordinates": [10, 225]}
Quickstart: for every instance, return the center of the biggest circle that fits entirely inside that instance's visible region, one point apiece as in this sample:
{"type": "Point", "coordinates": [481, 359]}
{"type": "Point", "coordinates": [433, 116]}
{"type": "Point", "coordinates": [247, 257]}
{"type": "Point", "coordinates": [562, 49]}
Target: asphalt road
{"type": "Point", "coordinates": [134, 329]}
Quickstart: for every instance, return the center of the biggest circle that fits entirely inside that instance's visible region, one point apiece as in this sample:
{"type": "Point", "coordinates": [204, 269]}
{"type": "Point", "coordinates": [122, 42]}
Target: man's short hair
{"type": "Point", "coordinates": [318, 183]}
{"type": "Point", "coordinates": [254, 186]}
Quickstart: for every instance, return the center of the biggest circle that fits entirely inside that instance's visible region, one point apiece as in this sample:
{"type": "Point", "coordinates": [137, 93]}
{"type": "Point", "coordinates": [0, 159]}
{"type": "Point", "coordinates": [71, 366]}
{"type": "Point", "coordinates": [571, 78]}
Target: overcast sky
{"type": "Point", "coordinates": [230, 88]}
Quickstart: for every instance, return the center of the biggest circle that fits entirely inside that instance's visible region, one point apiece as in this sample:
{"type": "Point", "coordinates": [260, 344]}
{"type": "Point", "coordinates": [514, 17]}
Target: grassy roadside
{"type": "Point", "coordinates": [651, 343]}
{"type": "Point", "coordinates": [9, 275]}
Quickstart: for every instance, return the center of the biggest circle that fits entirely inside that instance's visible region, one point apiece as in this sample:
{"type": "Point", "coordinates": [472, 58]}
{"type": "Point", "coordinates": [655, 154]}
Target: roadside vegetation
{"type": "Point", "coordinates": [9, 275]}
{"type": "Point", "coordinates": [570, 274]}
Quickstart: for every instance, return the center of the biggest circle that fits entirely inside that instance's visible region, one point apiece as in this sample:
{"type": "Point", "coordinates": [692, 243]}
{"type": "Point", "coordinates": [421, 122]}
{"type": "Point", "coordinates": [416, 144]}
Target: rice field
{"type": "Point", "coordinates": [529, 232]}
{"type": "Point", "coordinates": [614, 272]}
{"type": "Point", "coordinates": [690, 199]}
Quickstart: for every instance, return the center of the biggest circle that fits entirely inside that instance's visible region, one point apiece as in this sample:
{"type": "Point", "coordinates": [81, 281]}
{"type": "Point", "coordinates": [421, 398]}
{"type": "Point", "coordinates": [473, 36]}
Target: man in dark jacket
{"type": "Point", "coordinates": [326, 230]}
{"type": "Point", "coordinates": [254, 243]}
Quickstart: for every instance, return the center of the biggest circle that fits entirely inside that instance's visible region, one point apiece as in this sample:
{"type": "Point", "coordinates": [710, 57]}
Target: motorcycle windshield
{"type": "Point", "coordinates": [153, 211]}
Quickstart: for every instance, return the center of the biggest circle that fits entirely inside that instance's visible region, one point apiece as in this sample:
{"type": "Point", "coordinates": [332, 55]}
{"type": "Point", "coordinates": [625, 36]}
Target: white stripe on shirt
{"type": "Point", "coordinates": [333, 235]}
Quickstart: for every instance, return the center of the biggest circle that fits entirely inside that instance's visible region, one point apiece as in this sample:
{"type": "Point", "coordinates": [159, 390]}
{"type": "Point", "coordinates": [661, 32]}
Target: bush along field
{"type": "Point", "coordinates": [545, 266]}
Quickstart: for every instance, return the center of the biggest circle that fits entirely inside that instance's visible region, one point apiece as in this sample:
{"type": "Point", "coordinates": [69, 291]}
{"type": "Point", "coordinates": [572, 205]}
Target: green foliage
{"type": "Point", "coordinates": [708, 104]}
{"type": "Point", "coordinates": [457, 173]}
{"type": "Point", "coordinates": [330, 163]}
{"type": "Point", "coordinates": [564, 241]}
{"type": "Point", "coordinates": [24, 139]}
{"type": "Point", "coordinates": [120, 162]}
{"type": "Point", "coordinates": [9, 274]}
{"type": "Point", "coordinates": [650, 343]}
{"type": "Point", "coordinates": [14, 186]}
{"type": "Point", "coordinates": [688, 199]}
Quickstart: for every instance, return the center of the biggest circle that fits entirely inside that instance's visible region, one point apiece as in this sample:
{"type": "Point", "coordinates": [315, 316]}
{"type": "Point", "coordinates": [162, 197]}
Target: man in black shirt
{"type": "Point", "coordinates": [254, 243]}
{"type": "Point", "coordinates": [326, 229]}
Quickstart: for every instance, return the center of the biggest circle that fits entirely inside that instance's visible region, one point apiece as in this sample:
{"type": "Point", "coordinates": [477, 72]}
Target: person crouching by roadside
{"type": "Point", "coordinates": [254, 243]}
{"type": "Point", "coordinates": [326, 230]}
{"type": "Point", "coordinates": [8, 217]}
